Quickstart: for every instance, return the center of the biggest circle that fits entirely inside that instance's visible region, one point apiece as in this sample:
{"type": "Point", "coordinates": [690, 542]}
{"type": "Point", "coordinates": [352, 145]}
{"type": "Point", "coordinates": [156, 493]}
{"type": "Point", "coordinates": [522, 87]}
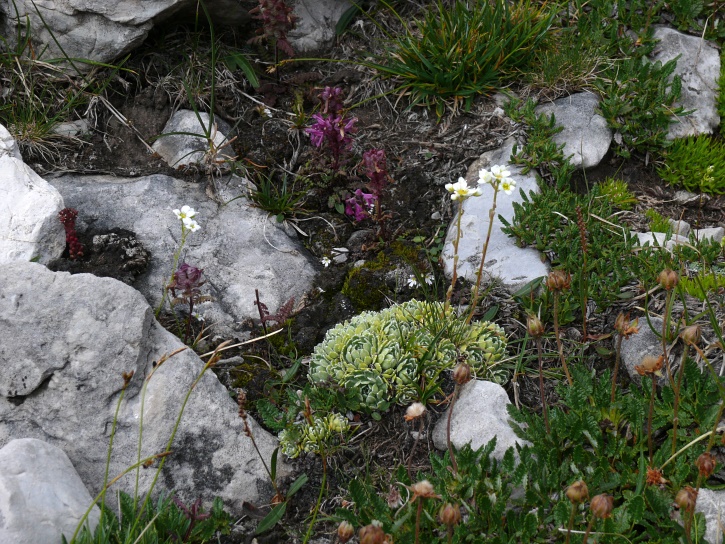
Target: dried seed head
{"type": "Point", "coordinates": [394, 499]}
{"type": "Point", "coordinates": [450, 515]}
{"type": "Point", "coordinates": [691, 334]}
{"type": "Point", "coordinates": [424, 490]}
{"type": "Point", "coordinates": [127, 378]}
{"type": "Point", "coordinates": [462, 373]}
{"type": "Point", "coordinates": [625, 327]}
{"type": "Point", "coordinates": [602, 506]}
{"type": "Point", "coordinates": [534, 326]}
{"type": "Point", "coordinates": [558, 280]}
{"type": "Point", "coordinates": [345, 531]}
{"type": "Point", "coordinates": [706, 464]}
{"type": "Point", "coordinates": [577, 492]}
{"type": "Point", "coordinates": [654, 477]}
{"type": "Point", "coordinates": [650, 365]}
{"type": "Point", "coordinates": [668, 279]}
{"type": "Point", "coordinates": [372, 534]}
{"type": "Point", "coordinates": [414, 411]}
{"type": "Point", "coordinates": [686, 498]}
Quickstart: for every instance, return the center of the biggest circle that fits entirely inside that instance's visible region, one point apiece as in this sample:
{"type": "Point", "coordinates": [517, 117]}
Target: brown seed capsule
{"type": "Point", "coordinates": [558, 280]}
{"type": "Point", "coordinates": [650, 365]}
{"type": "Point", "coordinates": [371, 534]}
{"type": "Point", "coordinates": [706, 464]}
{"type": "Point", "coordinates": [686, 498]}
{"type": "Point", "coordinates": [534, 326]}
{"type": "Point", "coordinates": [668, 279]}
{"type": "Point", "coordinates": [450, 515]}
{"type": "Point", "coordinates": [625, 327]}
{"type": "Point", "coordinates": [577, 492]}
{"type": "Point", "coordinates": [462, 373]}
{"type": "Point", "coordinates": [691, 334]}
{"type": "Point", "coordinates": [345, 531]}
{"type": "Point", "coordinates": [602, 506]}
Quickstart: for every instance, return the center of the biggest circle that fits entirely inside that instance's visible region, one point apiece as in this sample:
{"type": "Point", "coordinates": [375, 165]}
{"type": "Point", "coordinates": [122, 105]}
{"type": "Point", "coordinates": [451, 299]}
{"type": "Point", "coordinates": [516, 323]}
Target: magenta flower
{"type": "Point", "coordinates": [334, 132]}
{"type": "Point", "coordinates": [331, 97]}
{"type": "Point", "coordinates": [188, 280]}
{"type": "Point", "coordinates": [376, 170]}
{"type": "Point", "coordinates": [360, 205]}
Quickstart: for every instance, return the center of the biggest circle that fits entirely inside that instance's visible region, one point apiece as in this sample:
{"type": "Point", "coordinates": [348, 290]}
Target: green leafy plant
{"type": "Point", "coordinates": [638, 103]}
{"type": "Point", "coordinates": [658, 223]}
{"type": "Point", "coordinates": [618, 193]}
{"type": "Point", "coordinates": [468, 49]}
{"type": "Point", "coordinates": [277, 197]}
{"type": "Point", "coordinates": [697, 164]}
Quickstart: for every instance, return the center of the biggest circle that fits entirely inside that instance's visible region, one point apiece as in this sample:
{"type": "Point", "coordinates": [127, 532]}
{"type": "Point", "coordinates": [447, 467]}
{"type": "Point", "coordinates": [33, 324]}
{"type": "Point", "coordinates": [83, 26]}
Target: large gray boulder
{"type": "Point", "coordinates": [585, 135]}
{"type": "Point", "coordinates": [513, 265]}
{"type": "Point", "coordinates": [699, 67]}
{"type": "Point", "coordinates": [41, 495]}
{"type": "Point", "coordinates": [711, 504]}
{"type": "Point", "coordinates": [239, 247]}
{"type": "Point", "coordinates": [98, 30]}
{"type": "Point", "coordinates": [29, 206]}
{"type": "Point", "coordinates": [316, 23]}
{"type": "Point", "coordinates": [479, 415]}
{"type": "Point", "coordinates": [180, 150]}
{"type": "Point", "coordinates": [67, 340]}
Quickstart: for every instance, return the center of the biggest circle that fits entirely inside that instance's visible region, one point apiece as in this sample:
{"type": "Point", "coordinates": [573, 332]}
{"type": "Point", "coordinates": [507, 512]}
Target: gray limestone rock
{"type": "Point", "coordinates": [681, 228]}
{"type": "Point", "coordinates": [8, 145]}
{"type": "Point", "coordinates": [711, 503]}
{"type": "Point", "coordinates": [513, 265]}
{"type": "Point", "coordinates": [711, 233]}
{"type": "Point", "coordinates": [239, 247]}
{"type": "Point", "coordinates": [180, 150]}
{"type": "Point", "coordinates": [67, 340]}
{"type": "Point", "coordinates": [641, 344]}
{"type": "Point", "coordinates": [29, 206]}
{"type": "Point", "coordinates": [316, 23]}
{"type": "Point", "coordinates": [699, 67]}
{"type": "Point", "coordinates": [478, 415]}
{"type": "Point", "coordinates": [586, 136]}
{"type": "Point", "coordinates": [41, 495]}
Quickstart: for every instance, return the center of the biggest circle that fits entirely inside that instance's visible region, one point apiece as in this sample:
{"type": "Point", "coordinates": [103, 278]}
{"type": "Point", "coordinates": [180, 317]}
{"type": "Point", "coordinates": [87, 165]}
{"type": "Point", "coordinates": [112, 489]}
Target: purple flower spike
{"type": "Point", "coordinates": [360, 206]}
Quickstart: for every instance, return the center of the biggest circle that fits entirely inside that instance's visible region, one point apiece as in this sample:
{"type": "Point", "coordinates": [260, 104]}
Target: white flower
{"type": "Point", "coordinates": [412, 282]}
{"type": "Point", "coordinates": [484, 176]}
{"type": "Point", "coordinates": [461, 190]}
{"type": "Point", "coordinates": [198, 316]}
{"type": "Point", "coordinates": [428, 279]}
{"type": "Point", "coordinates": [500, 172]}
{"type": "Point", "coordinates": [508, 185]}
{"type": "Point", "coordinates": [325, 261]}
{"type": "Point", "coordinates": [186, 212]}
{"type": "Point", "coordinates": [191, 225]}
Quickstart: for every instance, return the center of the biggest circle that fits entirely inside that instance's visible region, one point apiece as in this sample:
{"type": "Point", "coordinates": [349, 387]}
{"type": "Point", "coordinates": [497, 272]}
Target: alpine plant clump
{"type": "Point", "coordinates": [381, 355]}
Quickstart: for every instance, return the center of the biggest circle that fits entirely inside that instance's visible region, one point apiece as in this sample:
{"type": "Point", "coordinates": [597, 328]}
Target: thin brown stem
{"type": "Point", "coordinates": [589, 530]}
{"type": "Point", "coordinates": [675, 418]}
{"type": "Point", "coordinates": [415, 446]}
{"type": "Point", "coordinates": [571, 522]}
{"type": "Point", "coordinates": [617, 359]}
{"type": "Point", "coordinates": [559, 345]}
{"type": "Point", "coordinates": [417, 521]}
{"type": "Point", "coordinates": [649, 417]}
{"type": "Point", "coordinates": [541, 384]}
{"type": "Point", "coordinates": [665, 335]}
{"type": "Point", "coordinates": [454, 465]}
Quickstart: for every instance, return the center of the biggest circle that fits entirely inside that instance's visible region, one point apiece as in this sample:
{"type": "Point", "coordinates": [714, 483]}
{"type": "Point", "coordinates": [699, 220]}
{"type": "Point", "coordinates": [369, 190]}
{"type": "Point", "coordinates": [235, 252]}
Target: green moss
{"type": "Point", "coordinates": [363, 286]}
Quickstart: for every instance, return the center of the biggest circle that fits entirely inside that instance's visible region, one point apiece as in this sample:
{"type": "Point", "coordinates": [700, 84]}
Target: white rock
{"type": "Point", "coordinates": [711, 233]}
{"type": "Point", "coordinates": [478, 415]}
{"type": "Point", "coordinates": [183, 150]}
{"type": "Point", "coordinates": [686, 197]}
{"type": "Point", "coordinates": [586, 136]}
{"type": "Point", "coordinates": [641, 344]}
{"type": "Point", "coordinates": [515, 266]}
{"type": "Point", "coordinates": [8, 145]}
{"type": "Point", "coordinates": [238, 246]}
{"type": "Point", "coordinates": [316, 24]}
{"type": "Point", "coordinates": [679, 227]}
{"type": "Point", "coordinates": [711, 503]}
{"type": "Point", "coordinates": [29, 206]}
{"type": "Point", "coordinates": [41, 495]}
{"type": "Point", "coordinates": [660, 239]}
{"type": "Point", "coordinates": [67, 340]}
{"type": "Point", "coordinates": [699, 68]}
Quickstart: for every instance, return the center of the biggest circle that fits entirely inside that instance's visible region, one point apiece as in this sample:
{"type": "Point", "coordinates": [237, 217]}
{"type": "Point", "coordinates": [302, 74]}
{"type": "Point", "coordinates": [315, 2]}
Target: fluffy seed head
{"type": "Point", "coordinates": [650, 365]}
{"type": "Point", "coordinates": [424, 490]}
{"type": "Point", "coordinates": [535, 326]}
{"type": "Point", "coordinates": [691, 334]}
{"type": "Point", "coordinates": [414, 411]}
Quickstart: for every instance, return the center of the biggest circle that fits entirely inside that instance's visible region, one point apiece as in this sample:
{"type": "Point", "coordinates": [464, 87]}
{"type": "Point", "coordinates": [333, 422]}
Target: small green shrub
{"type": "Point", "coordinates": [638, 103]}
{"type": "Point", "coordinates": [467, 49]}
{"type": "Point", "coordinates": [278, 198]}
{"type": "Point", "coordinates": [657, 222]}
{"type": "Point", "coordinates": [697, 164]}
{"type": "Point", "coordinates": [618, 193]}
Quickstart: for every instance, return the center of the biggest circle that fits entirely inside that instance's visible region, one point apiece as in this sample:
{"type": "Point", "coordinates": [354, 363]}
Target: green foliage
{"type": "Point", "coordinates": [721, 90]}
{"type": "Point", "coordinates": [467, 49]}
{"type": "Point", "coordinates": [383, 355]}
{"type": "Point", "coordinates": [697, 164]}
{"type": "Point", "coordinates": [657, 223]}
{"type": "Point", "coordinates": [540, 151]}
{"type": "Point", "coordinates": [277, 197]}
{"type": "Point", "coordinates": [519, 497]}
{"type": "Point", "coordinates": [618, 193]}
{"type": "Point", "coordinates": [548, 222]}
{"type": "Point", "coordinates": [638, 103]}
{"type": "Point", "coordinates": [166, 521]}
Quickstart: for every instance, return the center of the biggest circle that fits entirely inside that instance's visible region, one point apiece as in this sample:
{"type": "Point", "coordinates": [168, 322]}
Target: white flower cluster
{"type": "Point", "coordinates": [413, 281]}
{"type": "Point", "coordinates": [498, 177]}
{"type": "Point", "coordinates": [186, 215]}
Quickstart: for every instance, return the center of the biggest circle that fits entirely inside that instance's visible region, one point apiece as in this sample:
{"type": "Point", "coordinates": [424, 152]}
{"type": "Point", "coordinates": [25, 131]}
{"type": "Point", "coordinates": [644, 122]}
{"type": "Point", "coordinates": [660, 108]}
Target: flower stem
{"type": "Point", "coordinates": [415, 446]}
{"type": "Point", "coordinates": [541, 384]}
{"type": "Point", "coordinates": [454, 465]}
{"type": "Point", "coordinates": [479, 274]}
{"type": "Point", "coordinates": [454, 274]}
{"type": "Point", "coordinates": [616, 367]}
{"type": "Point", "coordinates": [559, 345]}
{"type": "Point", "coordinates": [675, 418]}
